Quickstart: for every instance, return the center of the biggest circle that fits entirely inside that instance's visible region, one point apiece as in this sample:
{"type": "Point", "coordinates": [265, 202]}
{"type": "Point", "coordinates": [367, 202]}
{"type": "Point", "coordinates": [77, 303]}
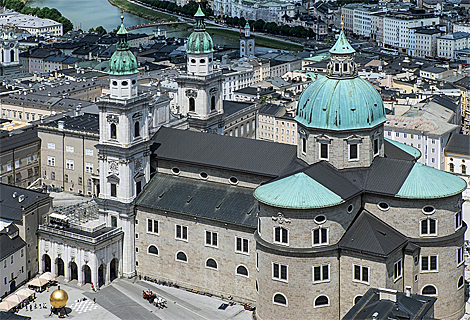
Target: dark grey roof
{"type": "Point", "coordinates": [231, 107]}
{"type": "Point", "coordinates": [392, 151]}
{"type": "Point", "coordinates": [253, 91]}
{"type": "Point", "coordinates": [219, 151]}
{"type": "Point", "coordinates": [270, 108]}
{"type": "Point", "coordinates": [199, 198]}
{"type": "Point", "coordinates": [9, 245]}
{"type": "Point", "coordinates": [386, 175]}
{"type": "Point", "coordinates": [85, 122]}
{"type": "Point", "coordinates": [414, 307]}
{"type": "Point", "coordinates": [11, 207]}
{"type": "Point", "coordinates": [458, 143]}
{"type": "Point", "coordinates": [4, 315]}
{"type": "Point", "coordinates": [370, 235]}
{"type": "Point", "coordinates": [18, 140]}
{"type": "Point", "coordinates": [445, 102]}
{"type": "Point", "coordinates": [327, 175]}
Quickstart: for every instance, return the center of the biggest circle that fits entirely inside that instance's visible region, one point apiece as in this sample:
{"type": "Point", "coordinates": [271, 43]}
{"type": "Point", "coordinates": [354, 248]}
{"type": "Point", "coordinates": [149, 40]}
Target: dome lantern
{"type": "Point", "coordinates": [199, 42]}
{"type": "Point", "coordinates": [123, 61]}
{"type": "Point", "coordinates": [342, 63]}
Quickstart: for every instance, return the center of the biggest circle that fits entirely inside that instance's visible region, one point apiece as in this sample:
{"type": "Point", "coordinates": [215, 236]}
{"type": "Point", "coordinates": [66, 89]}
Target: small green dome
{"type": "Point", "coordinates": [340, 104]}
{"type": "Point", "coordinates": [199, 42]}
{"type": "Point", "coordinates": [298, 191]}
{"type": "Point", "coordinates": [122, 61]}
{"type": "Point", "coordinates": [425, 182]}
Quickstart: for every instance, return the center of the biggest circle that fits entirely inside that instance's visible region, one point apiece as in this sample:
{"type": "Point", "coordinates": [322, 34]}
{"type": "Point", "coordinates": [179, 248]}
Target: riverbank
{"type": "Point", "coordinates": [259, 41]}
{"type": "Point", "coordinates": [142, 11]}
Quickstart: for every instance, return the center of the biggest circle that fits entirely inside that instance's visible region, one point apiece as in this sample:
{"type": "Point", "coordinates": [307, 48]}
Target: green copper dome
{"type": "Point", "coordinates": [424, 182]}
{"type": "Point", "coordinates": [199, 41]}
{"type": "Point", "coordinates": [298, 191]}
{"type": "Point", "coordinates": [340, 104]}
{"type": "Point", "coordinates": [122, 61]}
{"type": "Point", "coordinates": [341, 100]}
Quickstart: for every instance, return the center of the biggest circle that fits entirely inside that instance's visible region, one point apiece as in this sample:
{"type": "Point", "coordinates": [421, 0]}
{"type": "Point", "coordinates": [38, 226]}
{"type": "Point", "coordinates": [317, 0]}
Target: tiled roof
{"type": "Point", "coordinates": [459, 144]}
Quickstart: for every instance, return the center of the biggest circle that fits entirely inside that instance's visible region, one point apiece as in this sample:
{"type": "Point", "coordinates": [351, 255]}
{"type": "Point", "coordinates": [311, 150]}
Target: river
{"type": "Point", "coordinates": [86, 14]}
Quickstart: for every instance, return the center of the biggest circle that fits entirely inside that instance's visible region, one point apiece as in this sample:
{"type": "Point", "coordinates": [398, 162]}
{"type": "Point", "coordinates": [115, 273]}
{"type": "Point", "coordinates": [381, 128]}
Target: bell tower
{"type": "Point", "coordinates": [123, 148]}
{"type": "Point", "coordinates": [199, 90]}
{"type": "Point", "coordinates": [247, 43]}
{"type": "Point", "coordinates": [9, 54]}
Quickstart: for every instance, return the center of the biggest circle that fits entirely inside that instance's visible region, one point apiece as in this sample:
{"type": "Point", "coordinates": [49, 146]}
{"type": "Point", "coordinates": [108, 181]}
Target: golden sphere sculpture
{"type": "Point", "coordinates": [59, 298]}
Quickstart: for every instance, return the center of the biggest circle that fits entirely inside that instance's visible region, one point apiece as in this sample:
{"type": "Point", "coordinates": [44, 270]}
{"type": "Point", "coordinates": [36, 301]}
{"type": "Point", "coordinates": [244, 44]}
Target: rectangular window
{"type": "Point", "coordinates": [80, 181]}
{"type": "Point", "coordinates": [458, 220]}
{"type": "Point", "coordinates": [11, 259]}
{"type": "Point", "coordinates": [66, 178]}
{"type": "Point", "coordinates": [51, 161]}
{"type": "Point", "coordinates": [51, 145]}
{"type": "Point", "coordinates": [88, 167]}
{"type": "Point", "coordinates": [429, 263]}
{"type": "Point", "coordinates": [89, 152]}
{"type": "Point", "coordinates": [279, 271]}
{"type": "Point", "coordinates": [4, 263]}
{"type": "Point", "coordinates": [69, 149]}
{"type": "Point", "coordinates": [376, 146]}
{"type": "Point", "coordinates": [22, 253]}
{"type": "Point", "coordinates": [113, 190]}
{"type": "Point", "coordinates": [152, 226]}
{"type": "Point", "coordinates": [29, 160]}
{"type": "Point", "coordinates": [9, 166]}
{"type": "Point", "coordinates": [181, 232]}
{"type": "Point", "coordinates": [281, 235]}
{"type": "Point", "coordinates": [69, 164]}
{"type": "Point", "coordinates": [460, 253]}
{"type": "Point", "coordinates": [211, 238]}
{"type": "Point", "coordinates": [52, 175]}
{"type": "Point", "coordinates": [323, 151]}
{"type": "Point", "coordinates": [241, 245]}
{"type": "Point", "coordinates": [429, 227]}
{"type": "Point", "coordinates": [361, 273]}
{"type": "Point", "coordinates": [397, 270]}
{"type": "Point", "coordinates": [114, 221]}
{"type": "Point", "coordinates": [321, 273]}
{"type": "Point", "coordinates": [320, 236]}
{"type": "Point", "coordinates": [304, 145]}
{"type": "Point", "coordinates": [353, 154]}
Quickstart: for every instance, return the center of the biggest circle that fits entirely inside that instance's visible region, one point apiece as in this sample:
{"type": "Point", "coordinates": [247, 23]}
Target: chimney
{"type": "Point", "coordinates": [61, 124]}
{"type": "Point", "coordinates": [78, 110]}
{"type": "Point", "coordinates": [408, 291]}
{"type": "Point", "coordinates": [258, 92]}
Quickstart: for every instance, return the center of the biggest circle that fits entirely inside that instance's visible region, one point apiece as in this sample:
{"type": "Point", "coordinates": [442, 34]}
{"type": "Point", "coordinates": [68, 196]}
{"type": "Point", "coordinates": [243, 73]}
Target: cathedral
{"type": "Point", "coordinates": [300, 231]}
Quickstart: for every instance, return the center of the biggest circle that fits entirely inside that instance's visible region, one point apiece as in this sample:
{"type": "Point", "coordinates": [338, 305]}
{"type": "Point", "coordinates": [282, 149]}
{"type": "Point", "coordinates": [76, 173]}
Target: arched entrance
{"type": "Point", "coordinates": [86, 274]}
{"type": "Point", "coordinates": [12, 285]}
{"type": "Point", "coordinates": [47, 263]}
{"type": "Point", "coordinates": [113, 269]}
{"type": "Point", "coordinates": [60, 267]}
{"type": "Point", "coordinates": [73, 271]}
{"type": "Point", "coordinates": [101, 273]}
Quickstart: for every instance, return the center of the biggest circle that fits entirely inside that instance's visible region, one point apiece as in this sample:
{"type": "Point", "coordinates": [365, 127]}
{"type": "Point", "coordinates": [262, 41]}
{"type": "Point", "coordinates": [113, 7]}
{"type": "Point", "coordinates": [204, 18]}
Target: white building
{"type": "Point", "coordinates": [12, 258]}
{"type": "Point", "coordinates": [238, 76]}
{"type": "Point", "coordinates": [425, 42]}
{"type": "Point", "coordinates": [268, 10]}
{"type": "Point", "coordinates": [449, 43]}
{"type": "Point", "coordinates": [399, 29]}
{"type": "Point", "coordinates": [365, 20]}
{"type": "Point", "coordinates": [32, 24]}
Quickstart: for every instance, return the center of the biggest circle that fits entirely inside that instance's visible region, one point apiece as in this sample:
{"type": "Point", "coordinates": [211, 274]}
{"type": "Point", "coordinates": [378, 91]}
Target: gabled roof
{"type": "Point", "coordinates": [9, 245]}
{"type": "Point", "coordinates": [200, 198]}
{"type": "Point", "coordinates": [219, 151]}
{"type": "Point", "coordinates": [386, 176]}
{"type": "Point", "coordinates": [11, 208]}
{"type": "Point", "coordinates": [369, 234]}
{"type": "Point", "coordinates": [459, 144]}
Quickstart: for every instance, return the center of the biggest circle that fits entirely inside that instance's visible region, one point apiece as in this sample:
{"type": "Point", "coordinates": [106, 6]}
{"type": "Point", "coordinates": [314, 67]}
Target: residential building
{"type": "Point", "coordinates": [449, 43]}
{"type": "Point", "coordinates": [12, 258]}
{"type": "Point", "coordinates": [20, 158]}
{"type": "Point", "coordinates": [236, 76]}
{"type": "Point", "coordinates": [425, 42]}
{"type": "Point", "coordinates": [269, 11]}
{"type": "Point", "coordinates": [31, 24]}
{"type": "Point", "coordinates": [240, 119]}
{"type": "Point", "coordinates": [69, 158]}
{"type": "Point", "coordinates": [26, 209]}
{"type": "Point", "coordinates": [457, 156]}
{"type": "Point", "coordinates": [435, 73]}
{"type": "Point", "coordinates": [274, 124]}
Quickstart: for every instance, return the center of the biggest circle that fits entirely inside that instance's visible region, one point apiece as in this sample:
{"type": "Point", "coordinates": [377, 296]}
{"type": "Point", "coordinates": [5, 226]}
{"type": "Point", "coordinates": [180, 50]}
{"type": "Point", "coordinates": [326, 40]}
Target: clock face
{"type": "Point", "coordinates": [12, 45]}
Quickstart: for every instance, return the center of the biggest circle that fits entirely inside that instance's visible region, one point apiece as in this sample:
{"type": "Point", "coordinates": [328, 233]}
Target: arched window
{"type": "Point", "coordinates": [113, 131]}
{"type": "Point", "coordinates": [153, 250]}
{"type": "Point", "coordinates": [451, 167]}
{"type": "Point", "coordinates": [242, 271]}
{"type": "Point", "coordinates": [321, 301]}
{"type": "Point", "coordinates": [429, 290]}
{"type": "Point", "coordinates": [211, 263]}
{"type": "Point", "coordinates": [12, 55]}
{"type": "Point", "coordinates": [464, 169]}
{"type": "Point", "coordinates": [213, 103]}
{"type": "Point", "coordinates": [136, 129]}
{"type": "Point", "coordinates": [181, 256]}
{"type": "Point", "coordinates": [279, 298]}
{"type": "Point", "coordinates": [192, 104]}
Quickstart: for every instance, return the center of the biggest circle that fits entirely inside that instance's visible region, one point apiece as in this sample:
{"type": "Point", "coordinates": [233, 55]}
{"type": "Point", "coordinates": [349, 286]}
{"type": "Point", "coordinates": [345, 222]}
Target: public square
{"type": "Point", "coordinates": [122, 299]}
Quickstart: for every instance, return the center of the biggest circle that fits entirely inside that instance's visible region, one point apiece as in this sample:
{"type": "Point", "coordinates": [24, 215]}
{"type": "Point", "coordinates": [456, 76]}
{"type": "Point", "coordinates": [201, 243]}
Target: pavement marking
{"type": "Point", "coordinates": [84, 306]}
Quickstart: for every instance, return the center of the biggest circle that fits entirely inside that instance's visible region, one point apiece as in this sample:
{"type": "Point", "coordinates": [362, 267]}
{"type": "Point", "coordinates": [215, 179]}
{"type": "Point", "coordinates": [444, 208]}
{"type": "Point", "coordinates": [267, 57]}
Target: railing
{"type": "Point", "coordinates": [76, 236]}
{"type": "Point", "coordinates": [125, 101]}
{"type": "Point", "coordinates": [206, 77]}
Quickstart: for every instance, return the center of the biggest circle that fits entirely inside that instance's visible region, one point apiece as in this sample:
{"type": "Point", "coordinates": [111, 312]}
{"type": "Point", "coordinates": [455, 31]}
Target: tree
{"type": "Point", "coordinates": [258, 25]}
{"type": "Point", "coordinates": [100, 30]}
